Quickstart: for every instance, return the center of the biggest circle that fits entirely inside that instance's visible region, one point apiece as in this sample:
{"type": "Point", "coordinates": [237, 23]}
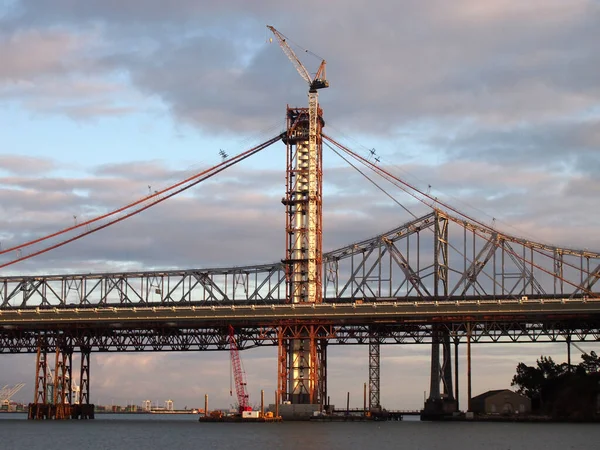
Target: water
{"type": "Point", "coordinates": [117, 432]}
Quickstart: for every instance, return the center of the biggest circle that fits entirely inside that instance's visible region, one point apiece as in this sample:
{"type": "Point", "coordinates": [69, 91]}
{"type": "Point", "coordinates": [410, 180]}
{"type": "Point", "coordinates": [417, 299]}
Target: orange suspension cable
{"type": "Point", "coordinates": [386, 174]}
{"type": "Point", "coordinates": [130, 205]}
{"type": "Point", "coordinates": [201, 177]}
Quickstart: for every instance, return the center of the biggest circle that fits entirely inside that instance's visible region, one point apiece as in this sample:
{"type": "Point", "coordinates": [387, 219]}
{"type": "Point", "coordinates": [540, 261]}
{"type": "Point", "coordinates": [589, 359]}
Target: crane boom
{"type": "Point", "coordinates": [8, 391]}
{"type": "Point", "coordinates": [290, 54]}
{"type": "Point", "coordinates": [319, 82]}
{"type": "Point", "coordinates": [238, 373]}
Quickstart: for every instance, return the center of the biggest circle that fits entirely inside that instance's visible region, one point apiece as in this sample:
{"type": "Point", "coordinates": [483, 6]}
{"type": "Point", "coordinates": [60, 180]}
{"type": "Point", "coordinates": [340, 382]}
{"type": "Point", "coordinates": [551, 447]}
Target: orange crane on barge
{"type": "Point", "coordinates": [238, 374]}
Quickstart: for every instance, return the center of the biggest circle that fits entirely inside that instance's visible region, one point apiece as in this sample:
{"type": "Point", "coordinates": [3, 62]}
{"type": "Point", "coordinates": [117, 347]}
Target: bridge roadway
{"type": "Point", "coordinates": [335, 313]}
{"type": "Point", "coordinates": [190, 327]}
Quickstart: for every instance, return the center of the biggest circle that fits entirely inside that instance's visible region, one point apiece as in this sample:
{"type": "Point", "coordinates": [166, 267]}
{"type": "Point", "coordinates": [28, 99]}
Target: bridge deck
{"type": "Point", "coordinates": [427, 311]}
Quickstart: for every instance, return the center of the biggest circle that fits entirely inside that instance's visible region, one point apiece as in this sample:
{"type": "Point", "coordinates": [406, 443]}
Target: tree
{"type": "Point", "coordinates": [590, 363]}
{"type": "Point", "coordinates": [532, 380]}
{"type": "Point", "coordinates": [529, 380]}
{"type": "Point", "coordinates": [550, 369]}
{"type": "Point", "coordinates": [557, 389]}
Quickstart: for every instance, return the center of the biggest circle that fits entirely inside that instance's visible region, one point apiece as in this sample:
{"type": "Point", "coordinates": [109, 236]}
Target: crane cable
{"type": "Point", "coordinates": [406, 173]}
{"type": "Point", "coordinates": [381, 171]}
{"type": "Point", "coordinates": [295, 44]}
{"type": "Point", "coordinates": [197, 177]}
{"type": "Point", "coordinates": [371, 180]}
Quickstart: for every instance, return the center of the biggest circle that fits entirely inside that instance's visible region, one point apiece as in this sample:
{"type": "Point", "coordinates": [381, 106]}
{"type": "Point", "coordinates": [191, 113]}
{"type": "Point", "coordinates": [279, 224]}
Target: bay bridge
{"type": "Point", "coordinates": [441, 279]}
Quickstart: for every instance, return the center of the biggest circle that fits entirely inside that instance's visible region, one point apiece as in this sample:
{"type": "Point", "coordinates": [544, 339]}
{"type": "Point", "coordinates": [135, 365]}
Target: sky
{"type": "Point", "coordinates": [492, 106]}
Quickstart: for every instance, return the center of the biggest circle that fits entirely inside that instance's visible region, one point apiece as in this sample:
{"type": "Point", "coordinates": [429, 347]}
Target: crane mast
{"type": "Point", "coordinates": [301, 376]}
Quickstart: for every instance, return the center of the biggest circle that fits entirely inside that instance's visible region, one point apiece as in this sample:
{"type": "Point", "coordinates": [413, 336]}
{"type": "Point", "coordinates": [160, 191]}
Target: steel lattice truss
{"type": "Point", "coordinates": [255, 284]}
{"type": "Point", "coordinates": [444, 258]}
{"type": "Point", "coordinates": [162, 338]}
{"type": "Point", "coordinates": [435, 257]}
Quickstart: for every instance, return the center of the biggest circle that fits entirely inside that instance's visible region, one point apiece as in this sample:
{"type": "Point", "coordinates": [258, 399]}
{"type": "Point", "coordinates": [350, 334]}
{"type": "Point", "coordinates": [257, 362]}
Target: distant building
{"type": "Point", "coordinates": [502, 401]}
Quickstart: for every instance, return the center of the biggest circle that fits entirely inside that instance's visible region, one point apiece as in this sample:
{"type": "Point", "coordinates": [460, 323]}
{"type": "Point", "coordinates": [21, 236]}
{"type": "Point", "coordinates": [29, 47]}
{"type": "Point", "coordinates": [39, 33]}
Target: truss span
{"type": "Point", "coordinates": [435, 257]}
{"type": "Point", "coordinates": [165, 338]}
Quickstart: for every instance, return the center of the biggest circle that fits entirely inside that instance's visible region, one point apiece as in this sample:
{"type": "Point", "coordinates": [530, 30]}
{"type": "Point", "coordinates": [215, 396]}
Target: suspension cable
{"type": "Point", "coordinates": [372, 181]}
{"type": "Point", "coordinates": [484, 227]}
{"type": "Point", "coordinates": [143, 199]}
{"type": "Point", "coordinates": [193, 180]}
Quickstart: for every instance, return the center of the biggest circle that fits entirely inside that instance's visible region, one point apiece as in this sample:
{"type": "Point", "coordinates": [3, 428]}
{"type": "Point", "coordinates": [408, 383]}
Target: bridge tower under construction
{"type": "Point", "coordinates": [302, 355]}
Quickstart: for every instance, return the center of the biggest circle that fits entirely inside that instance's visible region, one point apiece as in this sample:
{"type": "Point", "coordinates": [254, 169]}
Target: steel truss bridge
{"type": "Point", "coordinates": [436, 280]}
{"type": "Point", "coordinates": [440, 279]}
{"type": "Point", "coordinates": [435, 257]}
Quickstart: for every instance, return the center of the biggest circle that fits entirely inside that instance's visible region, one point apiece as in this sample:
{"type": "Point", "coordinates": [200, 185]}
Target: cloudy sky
{"type": "Point", "coordinates": [493, 104]}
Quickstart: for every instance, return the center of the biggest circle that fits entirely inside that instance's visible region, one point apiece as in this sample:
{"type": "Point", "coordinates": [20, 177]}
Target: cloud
{"type": "Point", "coordinates": [559, 146]}
{"type": "Point", "coordinates": [55, 71]}
{"type": "Point", "coordinates": [218, 76]}
{"type": "Point", "coordinates": [25, 165]}
{"type": "Point", "coordinates": [26, 54]}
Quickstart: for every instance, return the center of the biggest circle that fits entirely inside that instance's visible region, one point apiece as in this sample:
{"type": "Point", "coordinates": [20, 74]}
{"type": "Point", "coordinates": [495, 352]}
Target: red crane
{"type": "Point", "coordinates": [238, 374]}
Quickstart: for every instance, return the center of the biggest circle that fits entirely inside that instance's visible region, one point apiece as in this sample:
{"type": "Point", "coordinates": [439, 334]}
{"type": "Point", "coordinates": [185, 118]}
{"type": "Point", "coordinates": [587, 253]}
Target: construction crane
{"type": "Point", "coordinates": [7, 392]}
{"type": "Point", "coordinates": [238, 374]}
{"type": "Point", "coordinates": [307, 214]}
{"type": "Point", "coordinates": [319, 81]}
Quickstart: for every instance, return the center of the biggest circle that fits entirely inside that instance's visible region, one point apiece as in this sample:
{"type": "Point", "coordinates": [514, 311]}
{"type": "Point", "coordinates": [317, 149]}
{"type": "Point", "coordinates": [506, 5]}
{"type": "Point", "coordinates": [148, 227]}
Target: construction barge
{"type": "Point", "coordinates": [243, 414]}
{"type": "Point", "coordinates": [239, 419]}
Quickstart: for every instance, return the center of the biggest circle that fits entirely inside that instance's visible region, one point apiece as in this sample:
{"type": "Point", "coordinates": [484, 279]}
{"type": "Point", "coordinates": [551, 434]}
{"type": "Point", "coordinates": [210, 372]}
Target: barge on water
{"type": "Point", "coordinates": [245, 416]}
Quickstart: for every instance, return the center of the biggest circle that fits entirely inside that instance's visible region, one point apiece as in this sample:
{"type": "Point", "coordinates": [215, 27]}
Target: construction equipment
{"type": "Point", "coordinates": [7, 392]}
{"type": "Point", "coordinates": [216, 414]}
{"type": "Point", "coordinates": [301, 376]}
{"type": "Point", "coordinates": [307, 251]}
{"type": "Point", "coordinates": [319, 81]}
{"type": "Point", "coordinates": [238, 374]}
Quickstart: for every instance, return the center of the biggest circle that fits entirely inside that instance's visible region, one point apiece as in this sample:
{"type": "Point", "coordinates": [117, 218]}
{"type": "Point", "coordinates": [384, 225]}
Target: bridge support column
{"type": "Point", "coordinates": [456, 384]}
{"type": "Point", "coordinates": [469, 392]}
{"type": "Point", "coordinates": [84, 410]}
{"type": "Point", "coordinates": [306, 367]}
{"type": "Point", "coordinates": [70, 398]}
{"type": "Point", "coordinates": [302, 371]}
{"type": "Point", "coordinates": [569, 352]}
{"type": "Point", "coordinates": [447, 367]}
{"type": "Point", "coordinates": [62, 384]}
{"type": "Point", "coordinates": [374, 373]}
{"type": "Point", "coordinates": [52, 391]}
{"type": "Point", "coordinates": [322, 373]}
{"type": "Point", "coordinates": [440, 403]}
{"type": "Point", "coordinates": [282, 367]}
{"type": "Point", "coordinates": [39, 409]}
